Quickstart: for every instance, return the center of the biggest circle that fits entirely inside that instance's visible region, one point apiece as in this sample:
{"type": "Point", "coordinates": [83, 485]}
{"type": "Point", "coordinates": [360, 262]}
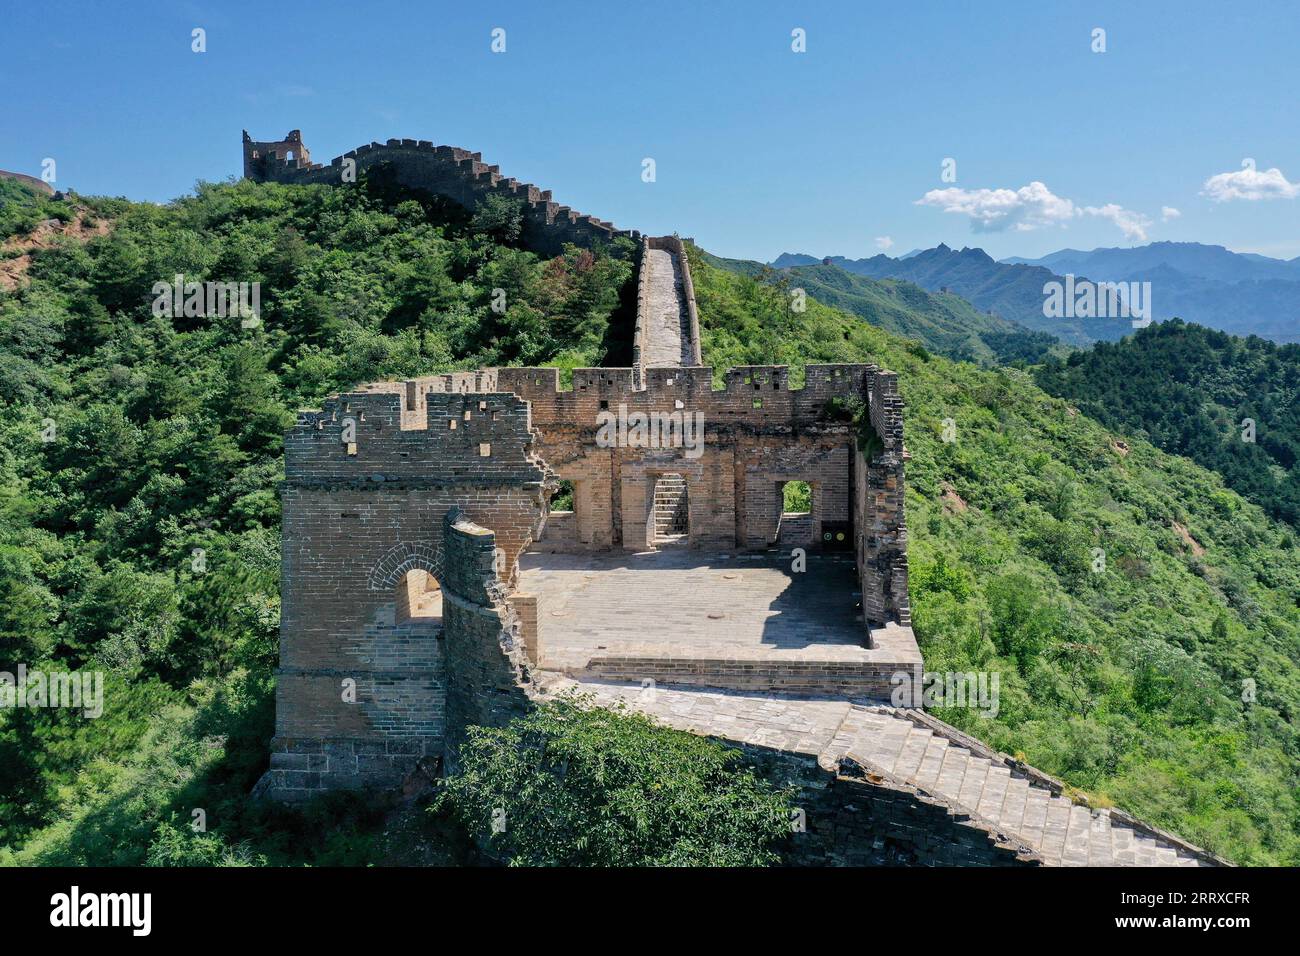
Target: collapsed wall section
{"type": "Point", "coordinates": [488, 671]}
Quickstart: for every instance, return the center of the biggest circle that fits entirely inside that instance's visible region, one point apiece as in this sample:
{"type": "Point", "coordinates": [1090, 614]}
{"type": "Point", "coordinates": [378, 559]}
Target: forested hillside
{"type": "Point", "coordinates": [1162, 672]}
{"type": "Point", "coordinates": [1012, 292]}
{"type": "Point", "coordinates": [1127, 681]}
{"type": "Point", "coordinates": [128, 440]}
{"type": "Point", "coordinates": [945, 323]}
{"type": "Point", "coordinates": [1188, 390]}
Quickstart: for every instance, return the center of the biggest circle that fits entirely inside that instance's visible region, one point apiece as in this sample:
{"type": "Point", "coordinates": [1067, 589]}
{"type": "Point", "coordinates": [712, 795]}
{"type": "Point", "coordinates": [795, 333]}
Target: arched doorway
{"type": "Point", "coordinates": [419, 598]}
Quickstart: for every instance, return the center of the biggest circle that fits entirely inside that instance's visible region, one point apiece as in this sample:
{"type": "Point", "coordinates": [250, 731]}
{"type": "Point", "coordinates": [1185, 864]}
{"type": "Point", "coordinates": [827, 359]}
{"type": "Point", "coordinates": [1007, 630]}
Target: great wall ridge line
{"type": "Point", "coordinates": [467, 162]}
{"type": "Point", "coordinates": [269, 160]}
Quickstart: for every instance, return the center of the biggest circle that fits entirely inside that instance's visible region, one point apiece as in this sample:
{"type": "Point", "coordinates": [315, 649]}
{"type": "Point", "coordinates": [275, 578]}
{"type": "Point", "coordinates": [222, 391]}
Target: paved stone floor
{"type": "Point", "coordinates": [668, 323]}
{"type": "Point", "coordinates": [681, 603]}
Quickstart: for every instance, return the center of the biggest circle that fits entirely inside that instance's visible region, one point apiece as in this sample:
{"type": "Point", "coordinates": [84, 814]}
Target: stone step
{"type": "Point", "coordinates": [1100, 849]}
{"type": "Point", "coordinates": [909, 757]}
{"type": "Point", "coordinates": [994, 793]}
{"type": "Point", "coordinates": [1062, 832]}
{"type": "Point", "coordinates": [1078, 835]}
{"type": "Point", "coordinates": [927, 775]}
{"type": "Point", "coordinates": [1032, 825]}
{"type": "Point", "coordinates": [1013, 807]}
{"type": "Point", "coordinates": [972, 785]}
{"type": "Point", "coordinates": [1054, 829]}
{"type": "Point", "coordinates": [887, 747]}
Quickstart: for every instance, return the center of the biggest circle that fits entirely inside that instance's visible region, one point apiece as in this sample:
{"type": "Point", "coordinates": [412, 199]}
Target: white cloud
{"type": "Point", "coordinates": [1168, 212]}
{"type": "Point", "coordinates": [1132, 224]}
{"type": "Point", "coordinates": [993, 210]}
{"type": "Point", "coordinates": [884, 242]}
{"type": "Point", "coordinates": [1029, 207]}
{"type": "Point", "coordinates": [1250, 183]}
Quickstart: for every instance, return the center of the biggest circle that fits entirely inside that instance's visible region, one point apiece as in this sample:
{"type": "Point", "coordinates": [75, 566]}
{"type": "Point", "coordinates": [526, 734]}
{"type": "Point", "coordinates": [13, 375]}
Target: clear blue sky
{"type": "Point", "coordinates": [758, 149]}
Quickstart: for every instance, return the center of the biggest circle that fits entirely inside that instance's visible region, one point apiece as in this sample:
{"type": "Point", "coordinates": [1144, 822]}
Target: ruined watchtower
{"type": "Point", "coordinates": [267, 160]}
{"type": "Point", "coordinates": [422, 542]}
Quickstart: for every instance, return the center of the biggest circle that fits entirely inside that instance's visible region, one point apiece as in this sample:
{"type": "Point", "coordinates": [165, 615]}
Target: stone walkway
{"type": "Point", "coordinates": [668, 324]}
{"type": "Point", "coordinates": [691, 604]}
{"type": "Point", "coordinates": [918, 751]}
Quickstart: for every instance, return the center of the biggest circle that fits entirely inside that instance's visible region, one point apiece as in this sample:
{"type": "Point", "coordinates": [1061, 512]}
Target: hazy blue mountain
{"type": "Point", "coordinates": [1011, 292]}
{"type": "Point", "coordinates": [788, 260]}
{"type": "Point", "coordinates": [944, 323]}
{"type": "Point", "coordinates": [1209, 285]}
{"type": "Point", "coordinates": [1189, 258]}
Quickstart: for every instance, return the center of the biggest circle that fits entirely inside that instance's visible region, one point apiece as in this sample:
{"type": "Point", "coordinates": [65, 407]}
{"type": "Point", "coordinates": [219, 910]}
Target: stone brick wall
{"type": "Point", "coordinates": [488, 671]}
{"type": "Point", "coordinates": [881, 535]}
{"type": "Point", "coordinates": [853, 680]}
{"type": "Point", "coordinates": [364, 690]}
{"type": "Point", "coordinates": [264, 159]}
{"type": "Point", "coordinates": [458, 175]}
{"type": "Point", "coordinates": [758, 433]}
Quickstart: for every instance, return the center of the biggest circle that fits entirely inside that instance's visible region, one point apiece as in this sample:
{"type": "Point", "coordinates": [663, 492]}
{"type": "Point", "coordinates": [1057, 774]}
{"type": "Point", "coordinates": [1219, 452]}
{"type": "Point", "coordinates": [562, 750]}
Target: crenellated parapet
{"type": "Point", "coordinates": [458, 175]}
{"type": "Point", "coordinates": [758, 398]}
{"type": "Point", "coordinates": [403, 437]}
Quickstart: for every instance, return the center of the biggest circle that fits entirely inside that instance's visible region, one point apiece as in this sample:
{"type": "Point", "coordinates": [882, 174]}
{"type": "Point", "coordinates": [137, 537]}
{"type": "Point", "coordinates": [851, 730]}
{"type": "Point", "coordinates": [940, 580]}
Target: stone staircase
{"type": "Point", "coordinates": [910, 751]}
{"type": "Point", "coordinates": [670, 506]}
{"type": "Point", "coordinates": [1023, 803]}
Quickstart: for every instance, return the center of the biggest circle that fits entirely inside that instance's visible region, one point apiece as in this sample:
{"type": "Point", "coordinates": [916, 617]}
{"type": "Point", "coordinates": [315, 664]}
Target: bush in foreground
{"type": "Point", "coordinates": [570, 784]}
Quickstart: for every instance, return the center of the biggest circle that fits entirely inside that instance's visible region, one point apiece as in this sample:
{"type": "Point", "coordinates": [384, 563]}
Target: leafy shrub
{"type": "Point", "coordinates": [570, 784]}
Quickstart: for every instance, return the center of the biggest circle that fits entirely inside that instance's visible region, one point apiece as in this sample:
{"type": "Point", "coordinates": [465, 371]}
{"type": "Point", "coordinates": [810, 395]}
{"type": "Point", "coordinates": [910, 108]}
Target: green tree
{"type": "Point", "coordinates": [570, 784]}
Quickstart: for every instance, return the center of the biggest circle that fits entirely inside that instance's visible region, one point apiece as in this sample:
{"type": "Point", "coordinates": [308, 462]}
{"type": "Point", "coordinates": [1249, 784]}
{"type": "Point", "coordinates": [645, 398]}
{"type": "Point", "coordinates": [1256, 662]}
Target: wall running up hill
{"type": "Point", "coordinates": [447, 171]}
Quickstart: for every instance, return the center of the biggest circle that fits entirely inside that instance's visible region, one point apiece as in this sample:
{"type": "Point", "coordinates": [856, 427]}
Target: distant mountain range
{"type": "Point", "coordinates": [1190, 258]}
{"type": "Point", "coordinates": [944, 323]}
{"type": "Point", "coordinates": [1241, 293]}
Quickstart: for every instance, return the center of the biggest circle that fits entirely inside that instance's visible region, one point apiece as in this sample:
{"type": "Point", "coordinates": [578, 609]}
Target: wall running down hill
{"type": "Point", "coordinates": [667, 328]}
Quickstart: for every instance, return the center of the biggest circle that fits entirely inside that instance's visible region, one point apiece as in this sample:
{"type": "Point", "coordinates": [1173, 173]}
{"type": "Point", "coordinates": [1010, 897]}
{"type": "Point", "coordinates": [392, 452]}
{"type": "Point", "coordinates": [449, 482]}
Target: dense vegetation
{"type": "Point", "coordinates": [1167, 680]}
{"type": "Point", "coordinates": [21, 208]}
{"type": "Point", "coordinates": [129, 440]}
{"type": "Point", "coordinates": [574, 785]}
{"type": "Point", "coordinates": [1188, 389]}
{"type": "Point", "coordinates": [946, 324]}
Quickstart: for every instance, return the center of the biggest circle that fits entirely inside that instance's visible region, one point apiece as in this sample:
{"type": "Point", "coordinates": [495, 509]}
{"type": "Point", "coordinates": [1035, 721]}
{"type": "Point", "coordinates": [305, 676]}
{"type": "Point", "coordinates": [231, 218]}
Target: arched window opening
{"type": "Point", "coordinates": [419, 598]}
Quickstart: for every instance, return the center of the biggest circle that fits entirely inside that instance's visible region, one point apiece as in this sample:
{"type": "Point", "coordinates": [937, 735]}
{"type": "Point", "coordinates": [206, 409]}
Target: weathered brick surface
{"type": "Point", "coordinates": [371, 478]}
{"type": "Point", "coordinates": [357, 671]}
{"type": "Point", "coordinates": [487, 670]}
{"type": "Point", "coordinates": [758, 434]}
{"type": "Point", "coordinates": [880, 534]}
